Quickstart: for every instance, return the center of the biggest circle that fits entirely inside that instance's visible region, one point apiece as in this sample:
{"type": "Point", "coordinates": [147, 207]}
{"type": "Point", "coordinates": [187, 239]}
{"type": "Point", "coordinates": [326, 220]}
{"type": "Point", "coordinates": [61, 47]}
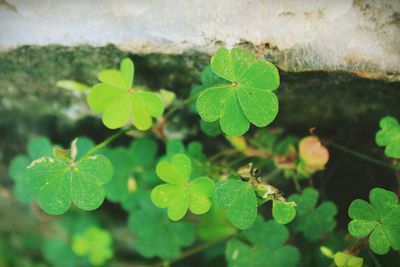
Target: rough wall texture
{"type": "Point", "coordinates": [361, 36]}
{"type": "Point", "coordinates": [339, 60]}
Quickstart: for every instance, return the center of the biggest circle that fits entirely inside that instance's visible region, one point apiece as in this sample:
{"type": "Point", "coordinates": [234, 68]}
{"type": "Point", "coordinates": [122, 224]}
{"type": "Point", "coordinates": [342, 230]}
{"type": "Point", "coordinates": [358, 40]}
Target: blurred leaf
{"type": "Point", "coordinates": [95, 244]}
{"type": "Point", "coordinates": [72, 85]}
{"type": "Point", "coordinates": [311, 220]}
{"type": "Point", "coordinates": [134, 163]}
{"type": "Point", "coordinates": [37, 147]}
{"type": "Point", "coordinates": [213, 225]}
{"type": "Point", "coordinates": [346, 260]}
{"type": "Point", "coordinates": [167, 97]}
{"type": "Point", "coordinates": [59, 253]}
{"type": "Point", "coordinates": [267, 247]}
{"type": "Point", "coordinates": [155, 235]}
{"type": "Point", "coordinates": [210, 128]}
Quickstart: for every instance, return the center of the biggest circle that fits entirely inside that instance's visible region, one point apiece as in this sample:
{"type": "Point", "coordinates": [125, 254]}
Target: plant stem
{"type": "Point", "coordinates": [106, 141]}
{"type": "Point", "coordinates": [180, 105]}
{"type": "Point", "coordinates": [222, 153]}
{"type": "Point", "coordinates": [361, 156]}
{"type": "Point", "coordinates": [296, 184]}
{"type": "Point", "coordinates": [374, 259]}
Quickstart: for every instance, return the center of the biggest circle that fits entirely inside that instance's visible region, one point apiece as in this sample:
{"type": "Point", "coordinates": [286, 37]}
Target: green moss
{"type": "Point", "coordinates": [334, 102]}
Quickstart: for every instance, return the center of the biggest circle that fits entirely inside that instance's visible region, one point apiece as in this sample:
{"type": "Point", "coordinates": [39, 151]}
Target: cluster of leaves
{"type": "Point", "coordinates": [236, 91]}
{"type": "Point", "coordinates": [266, 247]}
{"type": "Point", "coordinates": [311, 220]}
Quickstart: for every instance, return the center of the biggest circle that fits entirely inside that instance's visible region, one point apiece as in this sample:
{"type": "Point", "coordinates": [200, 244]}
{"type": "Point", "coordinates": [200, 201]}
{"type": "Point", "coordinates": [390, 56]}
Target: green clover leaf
{"type": "Point", "coordinates": [247, 98]}
{"type": "Point", "coordinates": [389, 136]}
{"type": "Point", "coordinates": [94, 243]}
{"type": "Point", "coordinates": [120, 102]}
{"type": "Point", "coordinates": [267, 248]}
{"type": "Point", "coordinates": [59, 182]}
{"type": "Point", "coordinates": [283, 212]}
{"type": "Point", "coordinates": [311, 220]}
{"type": "Point", "coordinates": [208, 78]}
{"type": "Point", "coordinates": [131, 165]}
{"type": "Point", "coordinates": [179, 194]}
{"type": "Point", "coordinates": [155, 235]}
{"type": "Point", "coordinates": [239, 197]}
{"type": "Point", "coordinates": [380, 220]}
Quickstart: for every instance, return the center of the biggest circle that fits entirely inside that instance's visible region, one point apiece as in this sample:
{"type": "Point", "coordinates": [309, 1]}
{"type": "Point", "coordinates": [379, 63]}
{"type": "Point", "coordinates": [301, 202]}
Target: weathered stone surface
{"type": "Point", "coordinates": [361, 36]}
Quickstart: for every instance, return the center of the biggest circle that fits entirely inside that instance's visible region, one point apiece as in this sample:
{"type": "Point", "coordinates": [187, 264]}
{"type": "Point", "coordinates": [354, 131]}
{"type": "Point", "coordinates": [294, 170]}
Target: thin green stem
{"type": "Point", "coordinates": [374, 259]}
{"type": "Point", "coordinates": [222, 153]}
{"type": "Point", "coordinates": [180, 105]}
{"type": "Point", "coordinates": [361, 156]}
{"type": "Point", "coordinates": [106, 141]}
{"type": "Point", "coordinates": [296, 184]}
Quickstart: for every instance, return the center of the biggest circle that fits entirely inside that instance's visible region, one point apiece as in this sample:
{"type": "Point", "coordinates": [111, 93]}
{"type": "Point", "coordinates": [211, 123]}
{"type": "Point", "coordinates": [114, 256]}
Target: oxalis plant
{"type": "Point", "coordinates": [181, 200]}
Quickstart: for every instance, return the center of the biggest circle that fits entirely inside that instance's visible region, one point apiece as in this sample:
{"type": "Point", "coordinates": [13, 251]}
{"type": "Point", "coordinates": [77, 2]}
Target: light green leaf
{"type": "Point", "coordinates": [283, 212]}
{"type": "Point", "coordinates": [127, 71]}
{"type": "Point", "coordinates": [177, 194]}
{"type": "Point", "coordinates": [240, 199]}
{"type": "Point", "coordinates": [343, 259]}
{"type": "Point", "coordinates": [194, 151]}
{"type": "Point", "coordinates": [380, 218]}
{"type": "Point", "coordinates": [245, 98]}
{"type": "Point", "coordinates": [59, 182]}
{"type": "Point", "coordinates": [389, 136]}
{"type": "Point", "coordinates": [121, 103]}
{"type": "Point", "coordinates": [95, 244]}
{"type": "Point", "coordinates": [199, 190]}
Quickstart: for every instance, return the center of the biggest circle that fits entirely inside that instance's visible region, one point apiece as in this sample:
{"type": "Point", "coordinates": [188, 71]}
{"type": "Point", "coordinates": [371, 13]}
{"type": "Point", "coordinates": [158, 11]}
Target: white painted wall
{"type": "Point", "coordinates": [319, 34]}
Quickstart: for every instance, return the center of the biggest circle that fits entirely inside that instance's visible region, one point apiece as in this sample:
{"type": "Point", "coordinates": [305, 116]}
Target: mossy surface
{"type": "Point", "coordinates": [338, 104]}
